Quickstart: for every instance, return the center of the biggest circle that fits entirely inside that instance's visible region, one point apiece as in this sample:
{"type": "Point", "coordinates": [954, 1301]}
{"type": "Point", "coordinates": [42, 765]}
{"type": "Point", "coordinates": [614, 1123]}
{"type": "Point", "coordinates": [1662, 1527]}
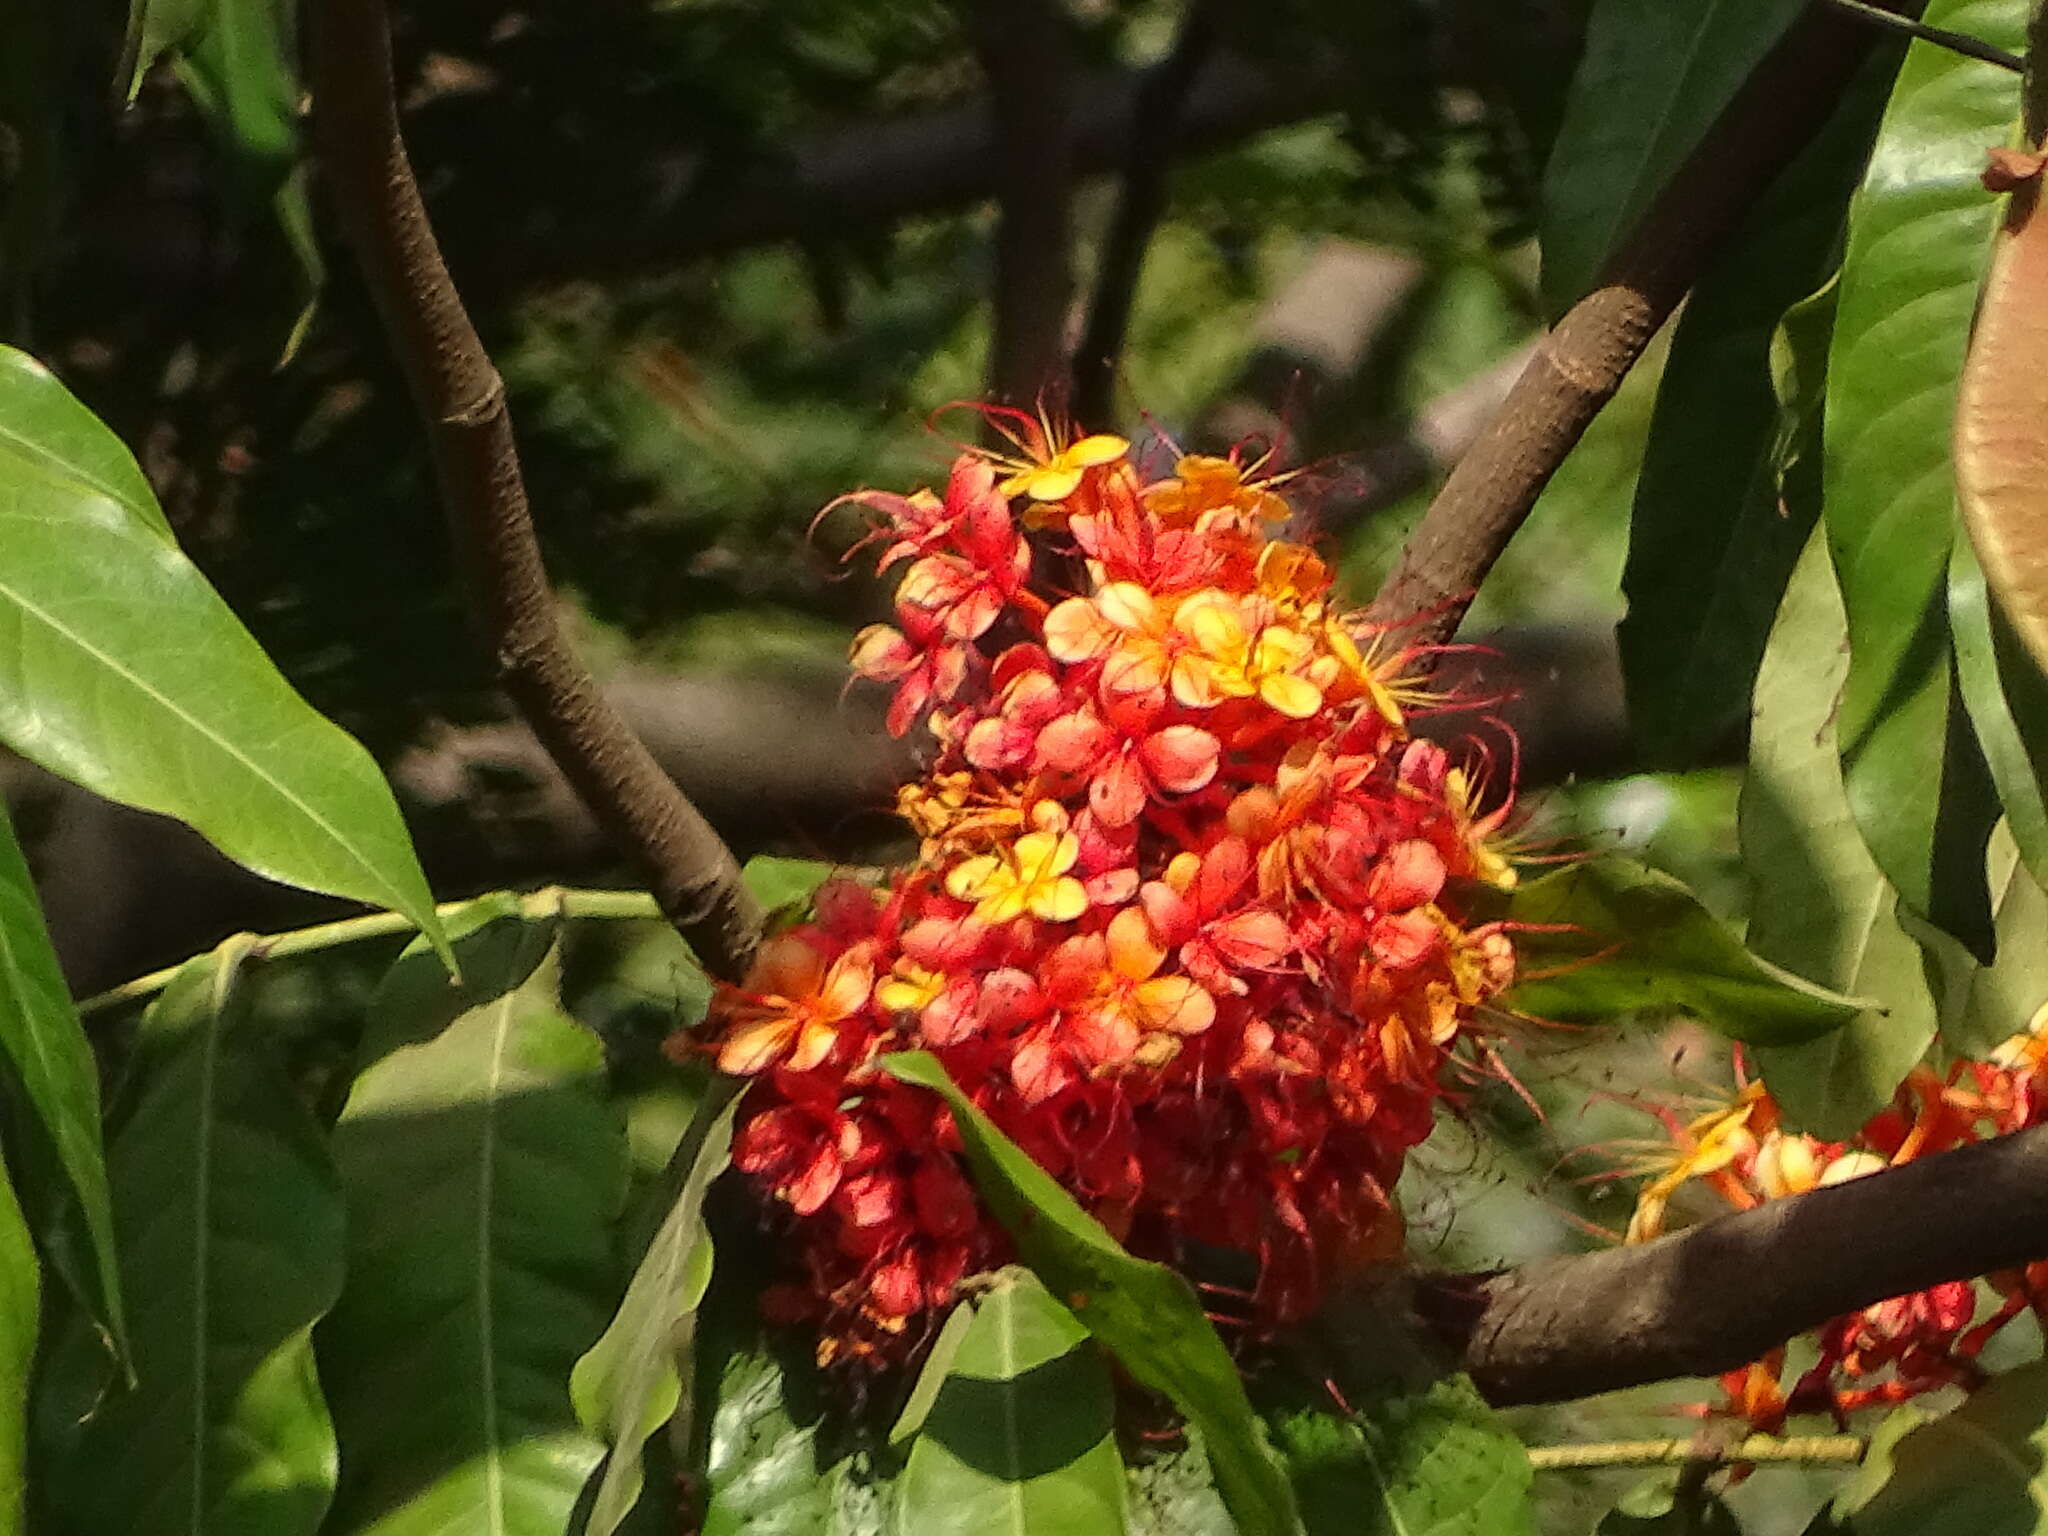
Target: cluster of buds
{"type": "Point", "coordinates": [1189, 919]}
{"type": "Point", "coordinates": [1905, 1346]}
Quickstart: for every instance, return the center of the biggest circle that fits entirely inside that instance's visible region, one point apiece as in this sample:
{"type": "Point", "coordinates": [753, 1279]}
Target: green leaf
{"type": "Point", "coordinates": [629, 1382]}
{"type": "Point", "coordinates": [1989, 1004]}
{"type": "Point", "coordinates": [1144, 1313]}
{"type": "Point", "coordinates": [2007, 699]}
{"type": "Point", "coordinates": [483, 1170]}
{"type": "Point", "coordinates": [1432, 1463]}
{"type": "Point", "coordinates": [125, 672]}
{"type": "Point", "coordinates": [1659, 1508]}
{"type": "Point", "coordinates": [938, 1361]}
{"type": "Point", "coordinates": [779, 883]}
{"type": "Point", "coordinates": [1919, 233]}
{"type": "Point", "coordinates": [768, 1475]}
{"type": "Point", "coordinates": [1820, 907]}
{"type": "Point", "coordinates": [52, 1085]}
{"type": "Point", "coordinates": [232, 1247]}
{"type": "Point", "coordinates": [1020, 1434]}
{"type": "Point", "coordinates": [1608, 937]}
{"type": "Point", "coordinates": [1713, 536]}
{"type": "Point", "coordinates": [1172, 1494]}
{"type": "Point", "coordinates": [20, 1302]}
{"type": "Point", "coordinates": [1653, 78]}
{"type": "Point", "coordinates": [1980, 1470]}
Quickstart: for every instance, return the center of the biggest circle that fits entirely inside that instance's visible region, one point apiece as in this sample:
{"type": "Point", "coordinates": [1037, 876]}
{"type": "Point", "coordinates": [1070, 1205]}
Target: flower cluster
{"type": "Point", "coordinates": [1188, 918]}
{"type": "Point", "coordinates": [1899, 1348]}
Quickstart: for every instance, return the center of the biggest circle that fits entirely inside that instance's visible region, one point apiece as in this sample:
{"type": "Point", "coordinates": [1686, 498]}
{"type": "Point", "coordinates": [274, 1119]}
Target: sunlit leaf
{"type": "Point", "coordinates": [629, 1382]}
{"type": "Point", "coordinates": [20, 1298]}
{"type": "Point", "coordinates": [232, 1247]}
{"type": "Point", "coordinates": [1714, 534]}
{"type": "Point", "coordinates": [768, 1474]}
{"type": "Point", "coordinates": [1918, 235]}
{"type": "Point", "coordinates": [52, 1085]}
{"type": "Point", "coordinates": [1019, 1434]}
{"type": "Point", "coordinates": [1144, 1313]}
{"type": "Point", "coordinates": [1820, 907]}
{"type": "Point", "coordinates": [1605, 938]}
{"type": "Point", "coordinates": [1653, 78]}
{"type": "Point", "coordinates": [483, 1171]}
{"type": "Point", "coordinates": [2007, 699]}
{"type": "Point", "coordinates": [125, 672]}
{"type": "Point", "coordinates": [778, 883]}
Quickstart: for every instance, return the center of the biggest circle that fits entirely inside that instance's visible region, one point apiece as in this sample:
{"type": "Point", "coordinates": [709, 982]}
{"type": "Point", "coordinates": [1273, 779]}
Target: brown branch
{"type": "Point", "coordinates": [1148, 160]}
{"type": "Point", "coordinates": [1027, 55]}
{"type": "Point", "coordinates": [1721, 1294]}
{"type": "Point", "coordinates": [1581, 363]}
{"type": "Point", "coordinates": [461, 400]}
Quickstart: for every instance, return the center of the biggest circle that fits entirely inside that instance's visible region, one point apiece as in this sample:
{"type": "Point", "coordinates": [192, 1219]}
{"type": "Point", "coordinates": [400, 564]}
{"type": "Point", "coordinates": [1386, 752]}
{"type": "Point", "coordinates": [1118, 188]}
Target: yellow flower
{"type": "Point", "coordinates": [1203, 484]}
{"type": "Point", "coordinates": [910, 989]}
{"type": "Point", "coordinates": [1231, 661]}
{"type": "Point", "coordinates": [795, 1007]}
{"type": "Point", "coordinates": [1028, 876]}
{"type": "Point", "coordinates": [1059, 476]}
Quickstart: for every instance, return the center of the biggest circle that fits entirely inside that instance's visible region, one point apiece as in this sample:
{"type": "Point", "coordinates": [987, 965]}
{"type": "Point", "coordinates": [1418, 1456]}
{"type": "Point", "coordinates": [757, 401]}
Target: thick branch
{"type": "Point", "coordinates": [1027, 55]}
{"type": "Point", "coordinates": [1582, 362]}
{"type": "Point", "coordinates": [462, 402]}
{"type": "Point", "coordinates": [861, 177]}
{"type": "Point", "coordinates": [1148, 158]}
{"type": "Point", "coordinates": [1721, 1294]}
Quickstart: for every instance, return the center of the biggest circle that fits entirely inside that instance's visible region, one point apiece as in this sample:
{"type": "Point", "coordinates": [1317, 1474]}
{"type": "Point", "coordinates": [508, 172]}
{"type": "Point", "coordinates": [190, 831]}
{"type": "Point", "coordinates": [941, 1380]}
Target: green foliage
{"type": "Point", "coordinates": [1609, 937]}
{"type": "Point", "coordinates": [20, 1295]}
{"type": "Point", "coordinates": [483, 1171]}
{"type": "Point", "coordinates": [2007, 699]}
{"type": "Point", "coordinates": [1661, 1507]}
{"type": "Point", "coordinates": [1017, 1435]}
{"type": "Point", "coordinates": [1653, 78]}
{"type": "Point", "coordinates": [1976, 1470]}
{"type": "Point", "coordinates": [129, 675]}
{"type": "Point", "coordinates": [1145, 1314]}
{"type": "Point", "coordinates": [53, 1088]}
{"type": "Point", "coordinates": [1820, 906]}
{"type": "Point", "coordinates": [230, 1225]}
{"type": "Point", "coordinates": [1917, 241]}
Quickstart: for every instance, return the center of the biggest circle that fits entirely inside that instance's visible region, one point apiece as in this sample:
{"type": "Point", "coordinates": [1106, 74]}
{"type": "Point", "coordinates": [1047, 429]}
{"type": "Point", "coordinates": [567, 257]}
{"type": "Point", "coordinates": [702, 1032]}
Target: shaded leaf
{"type": "Point", "coordinates": [232, 1247]}
{"type": "Point", "coordinates": [52, 1084]}
{"type": "Point", "coordinates": [1660, 1508]}
{"type": "Point", "coordinates": [2007, 699]}
{"type": "Point", "coordinates": [126, 673]}
{"type": "Point", "coordinates": [483, 1170]}
{"type": "Point", "coordinates": [938, 1361]}
{"type": "Point", "coordinates": [1608, 937]}
{"type": "Point", "coordinates": [1918, 235]}
{"type": "Point", "coordinates": [1432, 1463]}
{"type": "Point", "coordinates": [1144, 1313]}
{"type": "Point", "coordinates": [20, 1300]}
{"type": "Point", "coordinates": [629, 1382]}
{"type": "Point", "coordinates": [1980, 1470]}
{"type": "Point", "coordinates": [1820, 907]}
{"type": "Point", "coordinates": [1714, 536]}
{"type": "Point", "coordinates": [766, 1471]}
{"type": "Point", "coordinates": [1992, 1003]}
{"type": "Point", "coordinates": [1019, 1434]}
{"type": "Point", "coordinates": [1653, 78]}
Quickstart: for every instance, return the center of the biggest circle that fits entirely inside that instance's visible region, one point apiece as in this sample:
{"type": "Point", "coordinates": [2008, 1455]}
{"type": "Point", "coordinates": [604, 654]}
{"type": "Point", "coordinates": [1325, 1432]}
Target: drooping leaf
{"type": "Point", "coordinates": [1436, 1461]}
{"type": "Point", "coordinates": [232, 1248]}
{"type": "Point", "coordinates": [1609, 937]}
{"type": "Point", "coordinates": [1820, 907]}
{"type": "Point", "coordinates": [1980, 1470]}
{"type": "Point", "coordinates": [1918, 235]}
{"type": "Point", "coordinates": [766, 1471]}
{"type": "Point", "coordinates": [1713, 535]}
{"type": "Point", "coordinates": [483, 1171]}
{"type": "Point", "coordinates": [1019, 1437]}
{"type": "Point", "coordinates": [2007, 699]}
{"type": "Point", "coordinates": [1652, 80]}
{"type": "Point", "coordinates": [1144, 1313]}
{"type": "Point", "coordinates": [125, 672]}
{"type": "Point", "coordinates": [20, 1299]}
{"type": "Point", "coordinates": [938, 1362]}
{"type": "Point", "coordinates": [629, 1382]}
{"type": "Point", "coordinates": [52, 1085]}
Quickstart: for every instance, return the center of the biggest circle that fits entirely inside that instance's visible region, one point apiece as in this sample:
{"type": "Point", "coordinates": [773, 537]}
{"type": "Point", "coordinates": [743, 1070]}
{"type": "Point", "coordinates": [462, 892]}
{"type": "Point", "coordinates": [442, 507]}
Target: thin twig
{"type": "Point", "coordinates": [461, 400]}
{"type": "Point", "coordinates": [1756, 1450]}
{"type": "Point", "coordinates": [1582, 362]}
{"type": "Point", "coordinates": [1148, 161]}
{"type": "Point", "coordinates": [570, 903]}
{"type": "Point", "coordinates": [1956, 42]}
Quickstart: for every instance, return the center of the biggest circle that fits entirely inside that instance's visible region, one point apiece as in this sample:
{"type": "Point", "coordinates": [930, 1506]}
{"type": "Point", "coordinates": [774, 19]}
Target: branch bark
{"type": "Point", "coordinates": [1026, 53]}
{"type": "Point", "coordinates": [1148, 159]}
{"type": "Point", "coordinates": [1721, 1294]}
{"type": "Point", "coordinates": [461, 400]}
{"type": "Point", "coordinates": [1581, 363]}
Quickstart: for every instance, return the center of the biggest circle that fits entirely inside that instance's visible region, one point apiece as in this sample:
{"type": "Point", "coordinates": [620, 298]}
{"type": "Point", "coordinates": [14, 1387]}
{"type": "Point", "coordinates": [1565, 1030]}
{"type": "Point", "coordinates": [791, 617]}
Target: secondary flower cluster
{"type": "Point", "coordinates": [1908, 1345]}
{"type": "Point", "coordinates": [1187, 919]}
